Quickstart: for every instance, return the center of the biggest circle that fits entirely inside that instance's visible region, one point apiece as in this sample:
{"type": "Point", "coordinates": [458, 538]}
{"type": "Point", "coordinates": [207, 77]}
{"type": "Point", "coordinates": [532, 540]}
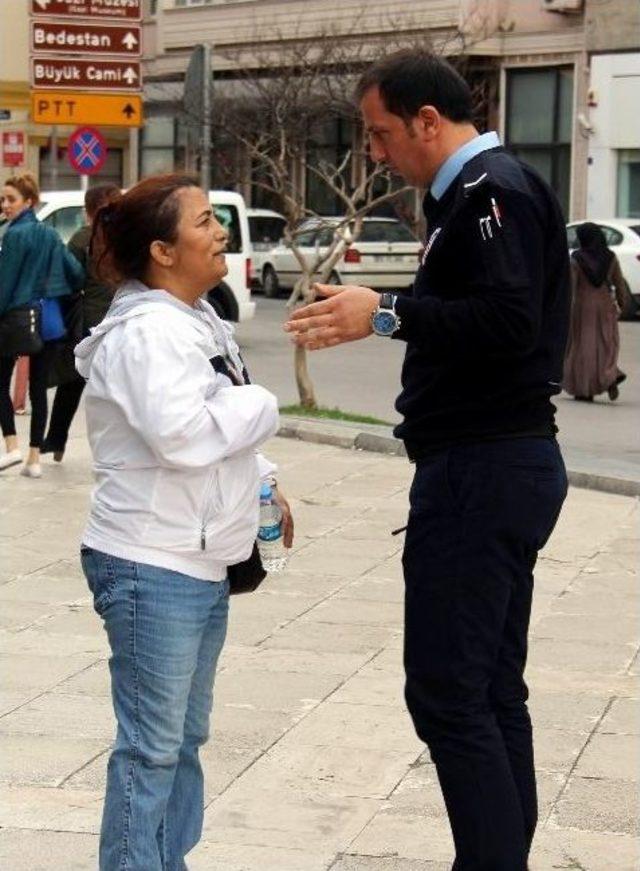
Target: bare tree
{"type": "Point", "coordinates": [275, 113]}
{"type": "Point", "coordinates": [272, 112]}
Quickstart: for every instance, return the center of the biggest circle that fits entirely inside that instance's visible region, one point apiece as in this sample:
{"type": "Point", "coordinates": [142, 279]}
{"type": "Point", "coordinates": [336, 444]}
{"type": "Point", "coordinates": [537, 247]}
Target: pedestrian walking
{"type": "Point", "coordinates": [34, 266]}
{"type": "Point", "coordinates": [485, 329]}
{"type": "Point", "coordinates": [174, 433]}
{"type": "Point", "coordinates": [83, 310]}
{"type": "Point", "coordinates": [591, 362]}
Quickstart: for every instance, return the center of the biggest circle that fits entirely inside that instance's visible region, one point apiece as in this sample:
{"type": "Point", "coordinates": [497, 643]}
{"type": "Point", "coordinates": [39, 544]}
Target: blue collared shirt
{"type": "Point", "coordinates": [452, 166]}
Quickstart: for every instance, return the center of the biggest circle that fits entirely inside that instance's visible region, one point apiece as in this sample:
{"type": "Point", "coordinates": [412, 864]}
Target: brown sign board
{"type": "Point", "coordinates": [55, 37]}
{"type": "Point", "coordinates": [102, 110]}
{"type": "Point", "coordinates": [121, 10]}
{"type": "Point", "coordinates": [85, 75]}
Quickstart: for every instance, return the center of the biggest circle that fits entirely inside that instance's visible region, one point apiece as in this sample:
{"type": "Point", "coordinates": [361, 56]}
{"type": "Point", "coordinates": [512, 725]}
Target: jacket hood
{"type": "Point", "coordinates": [134, 299]}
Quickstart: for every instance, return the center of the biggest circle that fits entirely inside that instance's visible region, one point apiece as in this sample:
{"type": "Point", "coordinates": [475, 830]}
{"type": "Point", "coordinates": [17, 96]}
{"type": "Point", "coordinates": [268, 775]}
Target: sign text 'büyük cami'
{"type": "Point", "coordinates": [103, 75]}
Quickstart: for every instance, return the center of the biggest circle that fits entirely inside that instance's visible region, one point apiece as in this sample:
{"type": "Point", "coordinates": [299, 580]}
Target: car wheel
{"type": "Point", "coordinates": [270, 283]}
{"type": "Point", "coordinates": [224, 302]}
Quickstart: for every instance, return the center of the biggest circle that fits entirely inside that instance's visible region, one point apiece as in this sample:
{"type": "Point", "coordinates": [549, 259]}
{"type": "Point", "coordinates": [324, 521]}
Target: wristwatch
{"type": "Point", "coordinates": [384, 320]}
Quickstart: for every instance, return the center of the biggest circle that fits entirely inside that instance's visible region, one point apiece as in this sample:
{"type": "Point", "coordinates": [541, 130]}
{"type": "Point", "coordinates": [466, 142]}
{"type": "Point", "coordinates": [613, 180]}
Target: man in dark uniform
{"type": "Point", "coordinates": [485, 328]}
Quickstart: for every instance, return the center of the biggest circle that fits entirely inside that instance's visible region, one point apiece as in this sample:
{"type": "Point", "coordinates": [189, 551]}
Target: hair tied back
{"type": "Point", "coordinates": [106, 213]}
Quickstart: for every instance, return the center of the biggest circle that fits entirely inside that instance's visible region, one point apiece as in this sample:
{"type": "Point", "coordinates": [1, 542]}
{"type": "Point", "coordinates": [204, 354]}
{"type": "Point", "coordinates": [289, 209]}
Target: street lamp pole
{"type": "Point", "coordinates": [205, 157]}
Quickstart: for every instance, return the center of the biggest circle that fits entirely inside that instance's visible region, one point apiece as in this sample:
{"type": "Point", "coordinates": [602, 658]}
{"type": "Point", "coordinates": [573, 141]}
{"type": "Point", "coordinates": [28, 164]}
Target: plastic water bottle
{"type": "Point", "coordinates": [270, 544]}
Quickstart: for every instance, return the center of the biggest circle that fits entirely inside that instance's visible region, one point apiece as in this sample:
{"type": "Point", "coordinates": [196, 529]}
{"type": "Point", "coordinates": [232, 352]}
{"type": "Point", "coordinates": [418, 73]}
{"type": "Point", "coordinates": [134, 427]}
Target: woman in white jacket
{"type": "Point", "coordinates": [174, 431]}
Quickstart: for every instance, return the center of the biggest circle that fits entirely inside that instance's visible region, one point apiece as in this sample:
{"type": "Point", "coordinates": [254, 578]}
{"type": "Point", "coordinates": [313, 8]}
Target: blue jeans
{"type": "Point", "coordinates": [166, 631]}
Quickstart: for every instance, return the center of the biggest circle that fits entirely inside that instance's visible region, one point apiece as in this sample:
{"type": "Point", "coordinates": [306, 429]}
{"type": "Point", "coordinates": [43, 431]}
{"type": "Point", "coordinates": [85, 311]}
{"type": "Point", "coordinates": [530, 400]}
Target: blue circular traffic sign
{"type": "Point", "coordinates": [87, 150]}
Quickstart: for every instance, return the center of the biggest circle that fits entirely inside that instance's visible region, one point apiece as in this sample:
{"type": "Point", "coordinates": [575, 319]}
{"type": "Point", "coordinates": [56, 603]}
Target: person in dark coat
{"type": "Point", "coordinates": [591, 362]}
{"type": "Point", "coordinates": [84, 311]}
{"type": "Point", "coordinates": [34, 265]}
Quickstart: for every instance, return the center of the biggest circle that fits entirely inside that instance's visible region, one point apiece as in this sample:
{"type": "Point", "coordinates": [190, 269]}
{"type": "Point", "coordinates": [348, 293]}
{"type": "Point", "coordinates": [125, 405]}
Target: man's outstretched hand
{"type": "Point", "coordinates": [344, 316]}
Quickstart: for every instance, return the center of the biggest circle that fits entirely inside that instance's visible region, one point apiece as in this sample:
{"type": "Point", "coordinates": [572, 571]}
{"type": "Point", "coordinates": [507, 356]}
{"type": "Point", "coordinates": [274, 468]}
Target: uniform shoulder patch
{"type": "Point", "coordinates": [475, 182]}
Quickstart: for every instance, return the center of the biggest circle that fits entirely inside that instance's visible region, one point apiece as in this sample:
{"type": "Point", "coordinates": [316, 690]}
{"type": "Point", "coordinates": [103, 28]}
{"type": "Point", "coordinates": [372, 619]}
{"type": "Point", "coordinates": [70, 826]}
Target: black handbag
{"type": "Point", "coordinates": [20, 331]}
{"type": "Point", "coordinates": [245, 577]}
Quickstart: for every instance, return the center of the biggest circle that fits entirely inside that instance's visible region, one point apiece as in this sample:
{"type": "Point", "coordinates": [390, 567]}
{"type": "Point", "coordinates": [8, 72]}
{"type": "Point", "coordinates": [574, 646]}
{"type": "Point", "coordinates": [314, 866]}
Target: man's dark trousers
{"type": "Point", "coordinates": [479, 514]}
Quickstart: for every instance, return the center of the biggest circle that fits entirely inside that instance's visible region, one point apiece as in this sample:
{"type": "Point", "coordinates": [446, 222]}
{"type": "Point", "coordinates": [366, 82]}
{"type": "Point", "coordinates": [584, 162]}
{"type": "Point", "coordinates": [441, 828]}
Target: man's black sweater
{"type": "Point", "coordinates": [486, 322]}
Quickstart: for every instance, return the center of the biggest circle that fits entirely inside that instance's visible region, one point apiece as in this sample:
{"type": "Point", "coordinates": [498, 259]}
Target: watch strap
{"type": "Point", "coordinates": [387, 301]}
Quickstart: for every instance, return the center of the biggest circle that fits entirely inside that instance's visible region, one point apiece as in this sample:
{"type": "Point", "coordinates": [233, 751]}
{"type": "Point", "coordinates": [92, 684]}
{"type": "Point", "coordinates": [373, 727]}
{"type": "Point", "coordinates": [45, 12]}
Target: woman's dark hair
{"type": "Point", "coordinates": [124, 229]}
{"type": "Point", "coordinates": [99, 196]}
{"type": "Point", "coordinates": [412, 78]}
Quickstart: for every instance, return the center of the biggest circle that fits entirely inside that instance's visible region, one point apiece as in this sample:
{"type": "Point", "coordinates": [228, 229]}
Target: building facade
{"type": "Point", "coordinates": [532, 60]}
{"type": "Point", "coordinates": [611, 119]}
{"type": "Point", "coordinates": [559, 80]}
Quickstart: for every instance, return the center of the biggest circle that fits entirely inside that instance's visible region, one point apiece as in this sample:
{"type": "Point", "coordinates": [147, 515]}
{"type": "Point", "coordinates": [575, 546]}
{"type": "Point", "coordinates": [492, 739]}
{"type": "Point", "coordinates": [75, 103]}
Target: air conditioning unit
{"type": "Point", "coordinates": [567, 7]}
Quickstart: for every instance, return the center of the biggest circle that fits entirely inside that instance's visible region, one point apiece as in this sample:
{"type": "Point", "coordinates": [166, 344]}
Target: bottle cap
{"type": "Point", "coordinates": [265, 490]}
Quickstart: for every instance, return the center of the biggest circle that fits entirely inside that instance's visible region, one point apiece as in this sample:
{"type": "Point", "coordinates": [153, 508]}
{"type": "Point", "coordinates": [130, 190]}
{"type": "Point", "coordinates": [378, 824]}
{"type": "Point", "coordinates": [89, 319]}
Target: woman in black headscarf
{"type": "Point", "coordinates": [591, 362]}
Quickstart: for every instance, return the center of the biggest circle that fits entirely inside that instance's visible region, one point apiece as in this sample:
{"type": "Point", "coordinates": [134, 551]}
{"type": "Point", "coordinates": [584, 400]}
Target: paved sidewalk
{"type": "Point", "coordinates": [313, 764]}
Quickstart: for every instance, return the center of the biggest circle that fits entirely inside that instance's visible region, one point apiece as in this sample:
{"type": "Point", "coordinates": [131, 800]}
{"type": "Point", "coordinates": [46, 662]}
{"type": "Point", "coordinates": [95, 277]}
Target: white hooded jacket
{"type": "Point", "coordinates": [174, 442]}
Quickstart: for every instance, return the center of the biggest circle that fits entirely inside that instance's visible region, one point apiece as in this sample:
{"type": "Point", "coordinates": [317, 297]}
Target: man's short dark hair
{"type": "Point", "coordinates": [99, 196]}
{"type": "Point", "coordinates": [411, 78]}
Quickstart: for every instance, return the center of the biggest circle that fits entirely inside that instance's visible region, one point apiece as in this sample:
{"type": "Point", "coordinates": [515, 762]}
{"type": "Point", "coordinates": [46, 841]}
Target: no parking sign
{"type": "Point", "coordinates": [87, 150]}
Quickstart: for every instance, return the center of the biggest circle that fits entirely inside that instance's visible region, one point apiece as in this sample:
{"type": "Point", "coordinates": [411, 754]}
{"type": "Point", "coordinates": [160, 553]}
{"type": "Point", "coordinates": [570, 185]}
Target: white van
{"type": "Point", "coordinates": [266, 229]}
{"type": "Point", "coordinates": [64, 211]}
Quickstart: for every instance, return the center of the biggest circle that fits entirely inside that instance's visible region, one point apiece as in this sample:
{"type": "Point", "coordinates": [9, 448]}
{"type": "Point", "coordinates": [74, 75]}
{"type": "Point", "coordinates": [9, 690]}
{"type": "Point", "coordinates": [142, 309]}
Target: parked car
{"type": "Point", "coordinates": [266, 229]}
{"type": "Point", "coordinates": [384, 255]}
{"type": "Point", "coordinates": [64, 211]}
{"type": "Point", "coordinates": [623, 237]}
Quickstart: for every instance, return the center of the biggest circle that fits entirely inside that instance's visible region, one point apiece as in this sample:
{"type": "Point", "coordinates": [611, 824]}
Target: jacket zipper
{"type": "Point", "coordinates": [203, 525]}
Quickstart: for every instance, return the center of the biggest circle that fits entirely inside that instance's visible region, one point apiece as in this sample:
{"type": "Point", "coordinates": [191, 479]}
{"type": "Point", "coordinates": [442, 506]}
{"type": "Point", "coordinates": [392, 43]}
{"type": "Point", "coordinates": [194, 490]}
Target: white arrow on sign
{"type": "Point", "coordinates": [129, 40]}
{"type": "Point", "coordinates": [43, 4]}
{"type": "Point", "coordinates": [130, 76]}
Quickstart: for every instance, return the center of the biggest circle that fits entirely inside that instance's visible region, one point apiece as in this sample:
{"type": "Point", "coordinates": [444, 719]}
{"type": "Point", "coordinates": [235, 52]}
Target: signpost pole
{"type": "Point", "coordinates": [205, 157]}
{"type": "Point", "coordinates": [53, 158]}
{"type": "Point", "coordinates": [134, 155]}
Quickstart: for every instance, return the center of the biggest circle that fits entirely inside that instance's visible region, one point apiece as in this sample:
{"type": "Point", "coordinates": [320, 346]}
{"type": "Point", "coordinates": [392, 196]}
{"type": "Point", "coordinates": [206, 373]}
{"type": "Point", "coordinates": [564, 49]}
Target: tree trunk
{"type": "Point", "coordinates": [303, 379]}
{"type": "Point", "coordinates": [306, 393]}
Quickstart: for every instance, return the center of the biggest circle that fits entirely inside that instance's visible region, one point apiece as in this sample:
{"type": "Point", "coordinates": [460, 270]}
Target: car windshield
{"type": "Point", "coordinates": [385, 231]}
{"type": "Point", "coordinates": [228, 217]}
{"type": "Point", "coordinates": [266, 230]}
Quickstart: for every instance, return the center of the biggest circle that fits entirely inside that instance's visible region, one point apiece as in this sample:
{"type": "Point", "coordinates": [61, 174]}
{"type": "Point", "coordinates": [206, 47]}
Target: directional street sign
{"type": "Point", "coordinates": [109, 110]}
{"type": "Point", "coordinates": [74, 59]}
{"type": "Point", "coordinates": [125, 10]}
{"type": "Point", "coordinates": [54, 37]}
{"type": "Point", "coordinates": [101, 75]}
{"type": "Point", "coordinates": [87, 150]}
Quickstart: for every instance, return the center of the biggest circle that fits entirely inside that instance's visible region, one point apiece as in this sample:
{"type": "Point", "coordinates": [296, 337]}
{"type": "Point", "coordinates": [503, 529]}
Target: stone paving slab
{"type": "Point", "coordinates": [313, 764]}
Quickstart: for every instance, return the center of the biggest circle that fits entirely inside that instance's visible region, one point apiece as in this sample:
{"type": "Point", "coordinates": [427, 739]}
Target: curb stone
{"type": "Point", "coordinates": [380, 439]}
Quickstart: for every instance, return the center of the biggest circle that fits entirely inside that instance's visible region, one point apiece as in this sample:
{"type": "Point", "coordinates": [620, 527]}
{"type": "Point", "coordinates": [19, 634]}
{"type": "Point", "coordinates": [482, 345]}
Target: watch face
{"type": "Point", "coordinates": [385, 323]}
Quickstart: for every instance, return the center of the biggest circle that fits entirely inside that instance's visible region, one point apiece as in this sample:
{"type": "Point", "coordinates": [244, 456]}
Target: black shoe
{"type": "Point", "coordinates": [613, 392]}
{"type": "Point", "coordinates": [583, 398]}
{"type": "Point", "coordinates": [48, 448]}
